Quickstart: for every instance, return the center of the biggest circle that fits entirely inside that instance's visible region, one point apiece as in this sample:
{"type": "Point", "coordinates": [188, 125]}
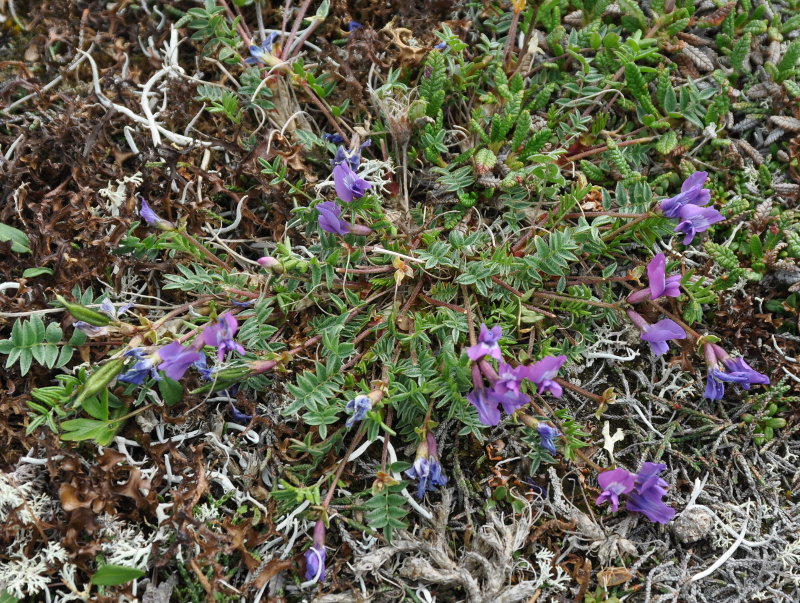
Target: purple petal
{"type": "Point", "coordinates": [488, 412]}
{"type": "Point", "coordinates": [672, 286]}
{"type": "Point", "coordinates": [343, 173]}
{"type": "Point", "coordinates": [655, 275]}
{"type": "Point", "coordinates": [649, 504]}
{"type": "Point", "coordinates": [696, 180]}
{"type": "Point", "coordinates": [176, 360]}
{"type": "Point", "coordinates": [329, 219]}
{"type": "Point", "coordinates": [148, 215]}
{"type": "Point", "coordinates": [664, 330]}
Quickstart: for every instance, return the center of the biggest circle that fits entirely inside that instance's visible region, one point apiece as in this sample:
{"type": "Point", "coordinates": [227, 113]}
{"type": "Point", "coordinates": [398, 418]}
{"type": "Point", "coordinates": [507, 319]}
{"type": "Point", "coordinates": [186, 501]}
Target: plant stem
{"type": "Point", "coordinates": [342, 463]}
{"type": "Point", "coordinates": [613, 234]}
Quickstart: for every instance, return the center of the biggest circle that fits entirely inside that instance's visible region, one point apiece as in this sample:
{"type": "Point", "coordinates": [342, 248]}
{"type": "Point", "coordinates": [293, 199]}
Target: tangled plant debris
{"type": "Point", "coordinates": [348, 300]}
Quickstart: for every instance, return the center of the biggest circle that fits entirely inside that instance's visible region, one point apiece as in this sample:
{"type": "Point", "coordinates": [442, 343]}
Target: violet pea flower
{"type": "Point", "coordinates": [649, 490]}
{"type": "Point", "coordinates": [348, 184]}
{"type": "Point", "coordinates": [315, 555]}
{"type": "Point", "coordinates": [547, 437]}
{"type": "Point", "coordinates": [693, 220]}
{"type": "Point", "coordinates": [220, 335]}
{"type": "Point", "coordinates": [176, 359]}
{"type": "Point", "coordinates": [264, 54]}
{"type": "Point", "coordinates": [732, 370]}
{"type": "Point", "coordinates": [149, 216]}
{"type": "Point", "coordinates": [144, 367]}
{"type": "Point", "coordinates": [487, 344]}
{"type": "Point", "coordinates": [329, 220]}
{"type": "Point", "coordinates": [357, 408]}
{"type": "Point", "coordinates": [658, 282]}
{"type": "Point", "coordinates": [543, 374]}
{"type": "Point", "coordinates": [427, 469]}
{"type": "Point", "coordinates": [692, 193]}
{"type": "Point", "coordinates": [658, 334]}
{"type": "Point", "coordinates": [614, 482]}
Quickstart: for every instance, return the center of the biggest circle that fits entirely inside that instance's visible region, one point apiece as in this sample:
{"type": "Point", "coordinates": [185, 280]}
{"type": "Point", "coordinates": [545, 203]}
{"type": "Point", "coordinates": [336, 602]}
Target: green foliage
{"type": "Point", "coordinates": [387, 510]}
{"type": "Point", "coordinates": [31, 341]}
{"type": "Point", "coordinates": [432, 83]}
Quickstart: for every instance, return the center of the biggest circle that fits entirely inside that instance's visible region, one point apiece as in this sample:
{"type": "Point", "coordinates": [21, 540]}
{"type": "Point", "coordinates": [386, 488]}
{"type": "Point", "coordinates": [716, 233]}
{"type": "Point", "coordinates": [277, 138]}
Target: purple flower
{"type": "Point", "coordinates": [543, 374]}
{"type": "Point", "coordinates": [644, 490]}
{"type": "Point", "coordinates": [237, 415]}
{"type": "Point", "coordinates": [352, 158]}
{"type": "Point", "coordinates": [357, 408]}
{"type": "Point", "coordinates": [440, 46]}
{"type": "Point", "coordinates": [658, 334]}
{"type": "Point", "coordinates": [614, 482]}
{"type": "Point", "coordinates": [659, 283]}
{"type": "Point", "coordinates": [220, 335]}
{"type": "Point", "coordinates": [693, 220]}
{"type": "Point", "coordinates": [648, 491]}
{"type": "Point", "coordinates": [486, 405]}
{"type": "Point", "coordinates": [202, 367]}
{"type": "Point", "coordinates": [347, 183]}
{"type": "Point", "coordinates": [263, 55]}
{"type": "Point", "coordinates": [329, 219]}
{"type": "Point", "coordinates": [149, 216]}
{"type": "Point", "coordinates": [176, 359]}
{"type": "Point", "coordinates": [692, 193]}
{"type": "Point", "coordinates": [144, 367]}
{"type": "Point", "coordinates": [315, 555]}
{"type": "Point", "coordinates": [426, 468]}
{"type": "Point", "coordinates": [736, 370]}
{"type": "Point", "coordinates": [547, 436]}
{"type": "Point", "coordinates": [354, 25]}
{"type": "Point", "coordinates": [487, 344]}
{"type": "Point", "coordinates": [334, 138]}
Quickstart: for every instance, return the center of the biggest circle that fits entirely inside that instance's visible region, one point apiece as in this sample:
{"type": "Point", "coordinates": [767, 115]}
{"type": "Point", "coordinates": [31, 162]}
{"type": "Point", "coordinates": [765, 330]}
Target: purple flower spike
{"type": "Point", "coordinates": [315, 555]}
{"type": "Point", "coordinates": [487, 344]}
{"type": "Point", "coordinates": [348, 184]}
{"type": "Point", "coordinates": [648, 491]}
{"type": "Point", "coordinates": [547, 435]}
{"type": "Point", "coordinates": [692, 193]}
{"type": "Point", "coordinates": [543, 374]}
{"type": "Point", "coordinates": [220, 335]}
{"type": "Point", "coordinates": [694, 220]}
{"type": "Point", "coordinates": [176, 359]}
{"type": "Point", "coordinates": [614, 482]}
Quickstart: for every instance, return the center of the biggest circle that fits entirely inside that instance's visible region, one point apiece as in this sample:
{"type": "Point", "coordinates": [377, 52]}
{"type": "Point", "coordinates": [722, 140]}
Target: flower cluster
{"type": "Point", "coordinates": [644, 491]}
{"type": "Point", "coordinates": [348, 186]}
{"type": "Point", "coordinates": [723, 369]}
{"type": "Point", "coordinates": [505, 382]}
{"type": "Point", "coordinates": [688, 207]}
{"type": "Point", "coordinates": [174, 359]}
{"type": "Point", "coordinates": [426, 469]}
